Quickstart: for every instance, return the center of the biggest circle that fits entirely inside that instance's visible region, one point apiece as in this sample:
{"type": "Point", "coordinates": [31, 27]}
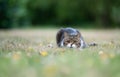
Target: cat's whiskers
{"type": "Point", "coordinates": [74, 46]}
{"type": "Point", "coordinates": [70, 45]}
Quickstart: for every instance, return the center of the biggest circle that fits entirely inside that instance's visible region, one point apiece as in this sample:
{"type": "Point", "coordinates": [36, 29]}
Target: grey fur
{"type": "Point", "coordinates": [71, 31]}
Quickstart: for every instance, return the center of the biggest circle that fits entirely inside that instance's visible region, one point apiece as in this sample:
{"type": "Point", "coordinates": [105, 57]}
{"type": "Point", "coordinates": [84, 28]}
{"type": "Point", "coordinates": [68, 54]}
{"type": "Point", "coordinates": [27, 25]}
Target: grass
{"type": "Point", "coordinates": [33, 53]}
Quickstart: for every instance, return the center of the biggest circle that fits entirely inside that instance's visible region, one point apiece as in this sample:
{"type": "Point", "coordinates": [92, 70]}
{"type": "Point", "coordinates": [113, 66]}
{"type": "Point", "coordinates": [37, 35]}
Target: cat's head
{"type": "Point", "coordinates": [71, 40]}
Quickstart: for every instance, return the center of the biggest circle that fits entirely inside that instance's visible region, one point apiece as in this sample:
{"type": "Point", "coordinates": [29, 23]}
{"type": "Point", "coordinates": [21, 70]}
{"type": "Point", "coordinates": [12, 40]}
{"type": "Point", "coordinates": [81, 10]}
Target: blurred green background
{"type": "Point", "coordinates": [57, 13]}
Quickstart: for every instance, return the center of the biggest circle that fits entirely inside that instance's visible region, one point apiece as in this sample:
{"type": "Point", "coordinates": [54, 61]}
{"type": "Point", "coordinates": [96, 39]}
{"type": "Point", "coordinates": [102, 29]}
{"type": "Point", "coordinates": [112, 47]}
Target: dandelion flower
{"type": "Point", "coordinates": [103, 55]}
{"type": "Point", "coordinates": [30, 49]}
{"type": "Point", "coordinates": [43, 53]}
{"type": "Point", "coordinates": [111, 55]}
{"type": "Point", "coordinates": [16, 56]}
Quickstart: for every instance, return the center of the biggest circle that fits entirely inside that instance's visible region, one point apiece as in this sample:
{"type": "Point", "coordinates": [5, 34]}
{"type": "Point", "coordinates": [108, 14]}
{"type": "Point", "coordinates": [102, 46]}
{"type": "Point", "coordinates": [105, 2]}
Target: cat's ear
{"type": "Point", "coordinates": [78, 35]}
{"type": "Point", "coordinates": [65, 34]}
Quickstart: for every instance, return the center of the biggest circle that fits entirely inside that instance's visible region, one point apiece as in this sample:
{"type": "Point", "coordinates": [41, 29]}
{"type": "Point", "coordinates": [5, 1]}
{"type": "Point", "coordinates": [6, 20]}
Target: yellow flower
{"type": "Point", "coordinates": [43, 53]}
{"type": "Point", "coordinates": [30, 49]}
{"type": "Point", "coordinates": [16, 56]}
{"type": "Point", "coordinates": [103, 55]}
{"type": "Point", "coordinates": [111, 55]}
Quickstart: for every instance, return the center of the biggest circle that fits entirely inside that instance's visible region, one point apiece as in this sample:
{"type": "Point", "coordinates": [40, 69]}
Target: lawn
{"type": "Point", "coordinates": [33, 53]}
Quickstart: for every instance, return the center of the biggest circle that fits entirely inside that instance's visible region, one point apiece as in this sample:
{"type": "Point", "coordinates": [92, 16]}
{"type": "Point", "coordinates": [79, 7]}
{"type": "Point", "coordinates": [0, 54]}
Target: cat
{"type": "Point", "coordinates": [70, 37]}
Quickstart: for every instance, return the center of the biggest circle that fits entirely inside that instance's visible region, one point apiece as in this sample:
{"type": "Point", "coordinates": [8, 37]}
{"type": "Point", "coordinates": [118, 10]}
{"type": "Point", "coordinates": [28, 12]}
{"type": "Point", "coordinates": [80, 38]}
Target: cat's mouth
{"type": "Point", "coordinates": [70, 45]}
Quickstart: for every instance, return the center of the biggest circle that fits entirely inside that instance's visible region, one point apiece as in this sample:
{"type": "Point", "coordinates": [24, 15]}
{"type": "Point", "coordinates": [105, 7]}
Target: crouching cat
{"type": "Point", "coordinates": [70, 37]}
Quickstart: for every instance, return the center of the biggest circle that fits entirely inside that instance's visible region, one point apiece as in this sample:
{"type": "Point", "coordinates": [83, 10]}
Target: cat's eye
{"type": "Point", "coordinates": [75, 41]}
{"type": "Point", "coordinates": [68, 41]}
